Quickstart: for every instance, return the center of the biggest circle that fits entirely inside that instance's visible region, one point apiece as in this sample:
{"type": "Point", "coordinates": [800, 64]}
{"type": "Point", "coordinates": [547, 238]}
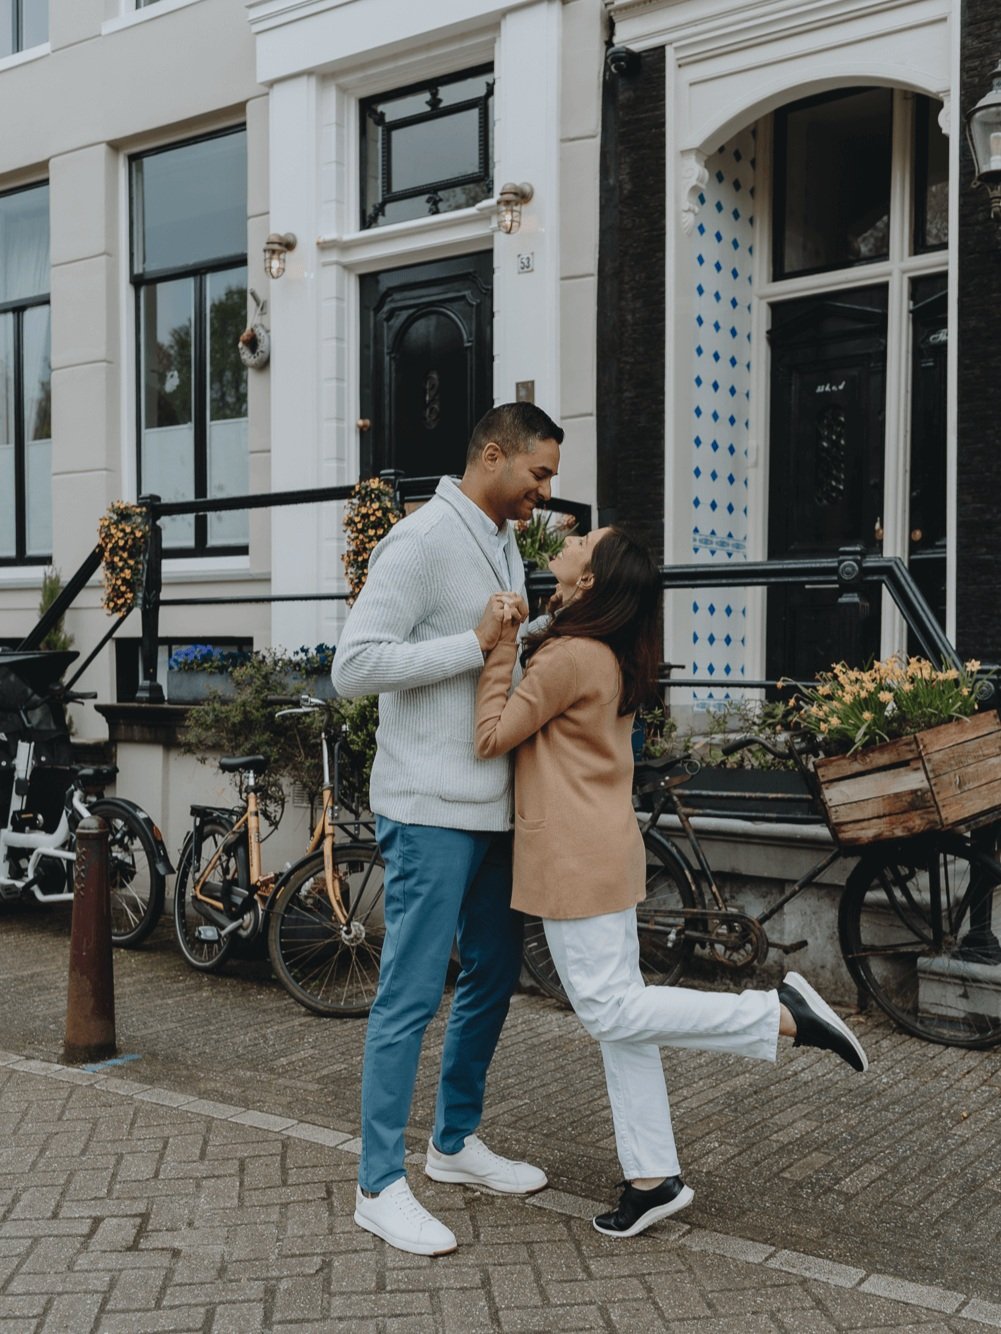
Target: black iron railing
{"type": "Point", "coordinates": [855, 576]}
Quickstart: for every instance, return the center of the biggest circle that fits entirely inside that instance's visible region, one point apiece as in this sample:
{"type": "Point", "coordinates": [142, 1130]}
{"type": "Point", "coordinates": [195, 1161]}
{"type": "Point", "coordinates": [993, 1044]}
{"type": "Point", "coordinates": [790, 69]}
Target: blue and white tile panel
{"type": "Point", "coordinates": [722, 256]}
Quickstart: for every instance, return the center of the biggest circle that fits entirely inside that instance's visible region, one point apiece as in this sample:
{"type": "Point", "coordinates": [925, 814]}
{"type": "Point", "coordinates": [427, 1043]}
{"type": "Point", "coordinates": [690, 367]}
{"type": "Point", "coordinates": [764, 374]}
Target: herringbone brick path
{"type": "Point", "coordinates": [824, 1201]}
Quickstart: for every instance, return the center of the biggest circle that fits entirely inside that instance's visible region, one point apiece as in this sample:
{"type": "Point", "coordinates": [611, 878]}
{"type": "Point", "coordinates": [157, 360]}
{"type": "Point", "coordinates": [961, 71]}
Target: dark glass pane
{"type": "Point", "coordinates": [435, 150]}
{"type": "Point", "coordinates": [425, 152]}
{"type": "Point", "coordinates": [37, 380]}
{"type": "Point", "coordinates": [931, 178]}
{"type": "Point", "coordinates": [24, 244]}
{"type": "Point", "coordinates": [228, 461]}
{"type": "Point", "coordinates": [832, 181]}
{"type": "Point", "coordinates": [167, 371]}
{"type": "Point", "coordinates": [929, 351]}
{"type": "Point", "coordinates": [8, 534]}
{"type": "Point", "coordinates": [34, 23]}
{"type": "Point", "coordinates": [189, 204]}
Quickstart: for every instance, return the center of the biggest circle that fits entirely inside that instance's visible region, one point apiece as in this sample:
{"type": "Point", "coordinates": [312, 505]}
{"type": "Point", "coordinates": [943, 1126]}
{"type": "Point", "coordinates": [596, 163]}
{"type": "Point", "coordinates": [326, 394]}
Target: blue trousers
{"type": "Point", "coordinates": [441, 885]}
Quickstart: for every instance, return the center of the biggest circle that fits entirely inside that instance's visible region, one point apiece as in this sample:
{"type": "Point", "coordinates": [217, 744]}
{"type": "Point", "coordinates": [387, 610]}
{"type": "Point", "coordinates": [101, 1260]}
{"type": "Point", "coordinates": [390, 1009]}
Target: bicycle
{"type": "Point", "coordinates": [318, 918]}
{"type": "Point", "coordinates": [46, 797]}
{"type": "Point", "coordinates": [915, 919]}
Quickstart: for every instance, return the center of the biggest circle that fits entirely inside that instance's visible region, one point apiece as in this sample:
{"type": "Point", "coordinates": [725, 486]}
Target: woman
{"type": "Point", "coordinates": [580, 865]}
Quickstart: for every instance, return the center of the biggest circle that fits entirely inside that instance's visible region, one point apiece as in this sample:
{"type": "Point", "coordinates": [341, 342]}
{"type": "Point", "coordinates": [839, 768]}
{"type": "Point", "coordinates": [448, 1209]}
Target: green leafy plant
{"type": "Point", "coordinates": [541, 537]}
{"type": "Point", "coordinates": [705, 742]}
{"type": "Point", "coordinates": [246, 723]}
{"type": "Point", "coordinates": [57, 640]}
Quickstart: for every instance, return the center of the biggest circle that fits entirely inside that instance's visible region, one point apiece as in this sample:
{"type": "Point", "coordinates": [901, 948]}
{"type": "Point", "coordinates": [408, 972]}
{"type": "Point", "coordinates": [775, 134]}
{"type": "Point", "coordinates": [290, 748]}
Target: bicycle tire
{"type": "Point", "coordinates": [904, 924]}
{"type": "Point", "coordinates": [660, 922]}
{"type": "Point", "coordinates": [317, 962]}
{"type": "Point", "coordinates": [203, 955]}
{"type": "Point", "coordinates": [137, 887]}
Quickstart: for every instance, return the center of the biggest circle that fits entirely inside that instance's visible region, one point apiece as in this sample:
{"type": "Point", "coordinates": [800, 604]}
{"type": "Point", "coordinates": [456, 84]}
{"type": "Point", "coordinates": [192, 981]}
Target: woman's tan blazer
{"type": "Point", "coordinates": [578, 851]}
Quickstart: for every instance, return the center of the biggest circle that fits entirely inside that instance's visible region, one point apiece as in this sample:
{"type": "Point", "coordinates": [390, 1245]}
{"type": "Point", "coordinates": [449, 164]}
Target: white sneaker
{"type": "Point", "coordinates": [475, 1165]}
{"type": "Point", "coordinates": [396, 1217]}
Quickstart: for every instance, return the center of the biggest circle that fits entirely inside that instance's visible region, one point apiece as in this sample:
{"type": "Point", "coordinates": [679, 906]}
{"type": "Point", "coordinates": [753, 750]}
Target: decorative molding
{"type": "Point", "coordinates": [694, 179]}
{"type": "Point", "coordinates": [945, 115]}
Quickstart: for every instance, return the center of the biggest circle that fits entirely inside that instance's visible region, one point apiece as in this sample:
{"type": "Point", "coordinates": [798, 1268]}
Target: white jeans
{"type": "Point", "coordinates": [597, 959]}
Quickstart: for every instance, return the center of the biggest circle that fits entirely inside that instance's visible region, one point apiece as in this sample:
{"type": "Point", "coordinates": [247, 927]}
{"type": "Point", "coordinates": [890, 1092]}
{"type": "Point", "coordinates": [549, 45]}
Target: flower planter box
{"type": "Point", "coordinates": [192, 687]}
{"type": "Point", "coordinates": [945, 776]}
{"type": "Point", "coordinates": [320, 687]}
{"type": "Point", "coordinates": [780, 795]}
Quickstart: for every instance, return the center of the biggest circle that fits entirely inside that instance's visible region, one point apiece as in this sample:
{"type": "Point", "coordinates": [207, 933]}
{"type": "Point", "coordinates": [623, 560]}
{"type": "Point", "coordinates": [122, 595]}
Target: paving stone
{"type": "Point", "coordinates": [812, 1266]}
{"type": "Point", "coordinates": [917, 1294]}
{"type": "Point", "coordinates": [987, 1313]}
{"type": "Point", "coordinates": [71, 1313]}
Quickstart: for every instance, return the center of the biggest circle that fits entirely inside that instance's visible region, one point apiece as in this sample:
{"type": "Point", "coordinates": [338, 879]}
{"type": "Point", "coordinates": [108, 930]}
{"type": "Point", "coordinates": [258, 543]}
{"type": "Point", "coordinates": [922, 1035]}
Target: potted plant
{"type": "Point", "coordinates": [308, 670]}
{"type": "Point", "coordinates": [541, 537]}
{"type": "Point", "coordinates": [902, 749]}
{"type": "Point", "coordinates": [199, 670]}
{"type": "Point", "coordinates": [368, 517]}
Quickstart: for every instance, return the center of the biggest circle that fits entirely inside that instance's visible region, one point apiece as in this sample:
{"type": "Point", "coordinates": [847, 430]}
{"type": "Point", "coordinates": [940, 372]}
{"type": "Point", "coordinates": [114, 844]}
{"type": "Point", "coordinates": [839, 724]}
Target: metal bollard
{"type": "Point", "coordinates": [90, 1005]}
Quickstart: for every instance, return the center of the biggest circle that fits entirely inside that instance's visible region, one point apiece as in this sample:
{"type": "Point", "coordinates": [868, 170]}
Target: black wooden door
{"type": "Point", "coordinates": [825, 465]}
{"type": "Point", "coordinates": [427, 363]}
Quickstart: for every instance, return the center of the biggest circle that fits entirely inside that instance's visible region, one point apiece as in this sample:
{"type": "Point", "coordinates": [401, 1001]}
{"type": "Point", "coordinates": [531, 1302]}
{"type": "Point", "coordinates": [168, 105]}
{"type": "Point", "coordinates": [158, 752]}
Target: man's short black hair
{"type": "Point", "coordinates": [515, 428]}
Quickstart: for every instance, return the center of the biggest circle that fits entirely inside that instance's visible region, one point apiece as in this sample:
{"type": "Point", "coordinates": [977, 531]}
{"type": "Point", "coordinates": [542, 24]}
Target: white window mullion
{"type": "Point", "coordinates": [896, 467]}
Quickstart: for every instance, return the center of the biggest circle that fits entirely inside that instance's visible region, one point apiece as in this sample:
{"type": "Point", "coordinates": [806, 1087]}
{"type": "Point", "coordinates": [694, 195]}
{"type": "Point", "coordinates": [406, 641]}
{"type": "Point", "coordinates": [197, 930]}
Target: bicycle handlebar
{"type": "Point", "coordinates": [742, 743]}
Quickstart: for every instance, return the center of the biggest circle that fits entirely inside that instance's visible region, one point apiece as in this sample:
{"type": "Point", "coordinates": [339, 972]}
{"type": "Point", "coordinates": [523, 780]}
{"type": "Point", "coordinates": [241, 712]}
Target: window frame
{"type": "Point", "coordinates": [368, 221]}
{"type": "Point", "coordinates": [17, 32]}
{"type": "Point", "coordinates": [200, 274]}
{"type": "Point", "coordinates": [17, 308]}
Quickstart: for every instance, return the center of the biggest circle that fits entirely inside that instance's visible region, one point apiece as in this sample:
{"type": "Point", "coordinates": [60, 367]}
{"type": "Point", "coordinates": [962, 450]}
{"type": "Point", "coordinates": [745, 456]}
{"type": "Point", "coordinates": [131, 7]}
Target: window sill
{"type": "Point", "coordinates": [22, 576]}
{"type": "Point", "coordinates": [24, 57]}
{"type": "Point", "coordinates": [130, 19]}
{"type": "Point", "coordinates": [202, 569]}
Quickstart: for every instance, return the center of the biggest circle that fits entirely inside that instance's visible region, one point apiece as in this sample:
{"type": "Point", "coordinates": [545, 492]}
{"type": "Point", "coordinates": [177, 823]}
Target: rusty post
{"type": "Point", "coordinates": [90, 1006]}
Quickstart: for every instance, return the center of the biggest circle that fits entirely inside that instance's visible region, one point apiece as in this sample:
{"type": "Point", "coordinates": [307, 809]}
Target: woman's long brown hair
{"type": "Point", "coordinates": [619, 609]}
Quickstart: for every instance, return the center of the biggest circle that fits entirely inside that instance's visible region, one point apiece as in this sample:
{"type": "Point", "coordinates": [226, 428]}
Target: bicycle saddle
{"type": "Point", "coordinates": [97, 776]}
{"type": "Point", "coordinates": [254, 764]}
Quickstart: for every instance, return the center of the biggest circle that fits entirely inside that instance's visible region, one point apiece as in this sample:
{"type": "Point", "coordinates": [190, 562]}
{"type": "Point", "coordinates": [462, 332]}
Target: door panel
{"type": "Point", "coordinates": [826, 464]}
{"type": "Point", "coordinates": [427, 363]}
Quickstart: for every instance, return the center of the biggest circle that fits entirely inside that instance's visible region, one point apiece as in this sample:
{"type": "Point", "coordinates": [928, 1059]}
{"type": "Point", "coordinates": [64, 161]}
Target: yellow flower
{"type": "Point", "coordinates": [886, 696]}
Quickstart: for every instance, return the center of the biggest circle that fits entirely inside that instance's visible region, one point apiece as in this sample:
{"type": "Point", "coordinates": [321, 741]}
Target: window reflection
{"type": "Point", "coordinates": [931, 178]}
{"type": "Point", "coordinates": [832, 181]}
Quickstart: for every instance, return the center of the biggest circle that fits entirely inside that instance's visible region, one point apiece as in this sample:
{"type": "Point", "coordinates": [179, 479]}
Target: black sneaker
{"type": "Point", "coordinates": [639, 1209]}
{"type": "Point", "coordinates": [816, 1023]}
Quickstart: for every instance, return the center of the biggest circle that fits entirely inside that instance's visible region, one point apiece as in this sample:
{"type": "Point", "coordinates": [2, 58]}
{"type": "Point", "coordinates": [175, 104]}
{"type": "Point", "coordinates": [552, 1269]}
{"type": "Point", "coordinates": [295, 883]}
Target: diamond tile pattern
{"type": "Point", "coordinates": [723, 252]}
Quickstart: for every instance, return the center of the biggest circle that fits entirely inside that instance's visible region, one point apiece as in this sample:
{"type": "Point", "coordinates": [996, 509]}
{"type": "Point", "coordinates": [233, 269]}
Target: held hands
{"type": "Point", "coordinates": [501, 618]}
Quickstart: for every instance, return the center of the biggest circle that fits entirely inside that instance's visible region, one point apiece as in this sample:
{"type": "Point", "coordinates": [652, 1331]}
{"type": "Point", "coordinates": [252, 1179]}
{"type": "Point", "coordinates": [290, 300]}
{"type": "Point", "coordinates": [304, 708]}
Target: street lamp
{"type": "Point", "coordinates": [983, 129]}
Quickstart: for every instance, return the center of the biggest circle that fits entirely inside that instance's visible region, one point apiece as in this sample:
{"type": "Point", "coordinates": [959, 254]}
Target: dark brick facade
{"type": "Point", "coordinates": [978, 490]}
{"type": "Point", "coordinates": [630, 389]}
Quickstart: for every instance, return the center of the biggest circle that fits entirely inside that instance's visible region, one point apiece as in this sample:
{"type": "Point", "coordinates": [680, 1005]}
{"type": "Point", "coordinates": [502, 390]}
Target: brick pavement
{"type": "Point", "coordinates": [823, 1201]}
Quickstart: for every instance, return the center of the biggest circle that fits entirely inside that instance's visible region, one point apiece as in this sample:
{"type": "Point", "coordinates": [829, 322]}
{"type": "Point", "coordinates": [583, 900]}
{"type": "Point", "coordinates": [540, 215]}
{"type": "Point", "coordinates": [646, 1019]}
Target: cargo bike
{"type": "Point", "coordinates": [44, 796]}
{"type": "Point", "coordinates": [920, 817]}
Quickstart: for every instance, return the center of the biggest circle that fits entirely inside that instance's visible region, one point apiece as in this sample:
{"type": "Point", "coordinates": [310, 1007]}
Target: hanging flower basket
{"type": "Point", "coordinates": [123, 536]}
{"type": "Point", "coordinates": [368, 517]}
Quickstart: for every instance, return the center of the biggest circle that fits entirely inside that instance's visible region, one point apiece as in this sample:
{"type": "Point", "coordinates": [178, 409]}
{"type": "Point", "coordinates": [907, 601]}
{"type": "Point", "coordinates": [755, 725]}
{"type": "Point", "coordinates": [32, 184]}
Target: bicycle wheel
{"type": "Point", "coordinates": [915, 924]}
{"type": "Point", "coordinates": [539, 962]}
{"type": "Point", "coordinates": [204, 954]}
{"type": "Point", "coordinates": [137, 887]}
{"type": "Point", "coordinates": [660, 924]}
{"type": "Point", "coordinates": [665, 949]}
{"type": "Point", "coordinates": [328, 968]}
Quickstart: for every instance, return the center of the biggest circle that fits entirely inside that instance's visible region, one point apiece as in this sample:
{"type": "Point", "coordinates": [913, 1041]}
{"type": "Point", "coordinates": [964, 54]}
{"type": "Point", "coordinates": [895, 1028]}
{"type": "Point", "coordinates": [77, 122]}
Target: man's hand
{"type": "Point", "coordinates": [503, 611]}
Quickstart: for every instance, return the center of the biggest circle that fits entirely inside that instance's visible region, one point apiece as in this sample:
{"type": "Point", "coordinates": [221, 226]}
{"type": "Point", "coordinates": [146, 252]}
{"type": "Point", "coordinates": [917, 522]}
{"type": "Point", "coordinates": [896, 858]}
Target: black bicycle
{"type": "Point", "coordinates": [916, 919]}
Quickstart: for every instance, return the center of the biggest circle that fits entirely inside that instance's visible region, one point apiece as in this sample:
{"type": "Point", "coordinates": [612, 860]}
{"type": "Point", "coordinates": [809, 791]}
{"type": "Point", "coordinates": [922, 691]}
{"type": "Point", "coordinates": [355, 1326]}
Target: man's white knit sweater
{"type": "Point", "coordinates": [410, 638]}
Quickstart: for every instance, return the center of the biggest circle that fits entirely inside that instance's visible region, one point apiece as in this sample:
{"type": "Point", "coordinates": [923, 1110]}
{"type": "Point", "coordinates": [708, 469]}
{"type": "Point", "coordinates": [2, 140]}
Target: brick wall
{"type": "Point", "coordinates": [630, 397]}
{"type": "Point", "coordinates": [978, 627]}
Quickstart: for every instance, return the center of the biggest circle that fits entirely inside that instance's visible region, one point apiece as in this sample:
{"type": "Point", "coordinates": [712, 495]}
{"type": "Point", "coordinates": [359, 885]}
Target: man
{"type": "Point", "coordinates": [418, 635]}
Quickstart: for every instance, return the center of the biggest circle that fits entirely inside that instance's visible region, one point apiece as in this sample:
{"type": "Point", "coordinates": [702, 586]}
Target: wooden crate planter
{"type": "Point", "coordinates": [945, 776]}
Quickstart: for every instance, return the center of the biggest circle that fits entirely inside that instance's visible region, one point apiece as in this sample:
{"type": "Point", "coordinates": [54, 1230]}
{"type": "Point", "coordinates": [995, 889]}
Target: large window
{"type": "Point", "coordinates": [25, 378]}
{"type": "Point", "coordinates": [23, 23]}
{"type": "Point", "coordinates": [428, 148]}
{"type": "Point", "coordinates": [189, 266]}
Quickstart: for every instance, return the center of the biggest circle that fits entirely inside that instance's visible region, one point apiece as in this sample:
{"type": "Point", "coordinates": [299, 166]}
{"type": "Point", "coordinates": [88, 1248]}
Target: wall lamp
{"type": "Point", "coordinates": [983, 129]}
{"type": "Point", "coordinates": [276, 247]}
{"type": "Point", "coordinates": [509, 202]}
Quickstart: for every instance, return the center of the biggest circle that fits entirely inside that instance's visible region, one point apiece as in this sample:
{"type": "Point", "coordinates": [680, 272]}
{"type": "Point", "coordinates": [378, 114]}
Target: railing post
{"type": "Point", "coordinates": [394, 477]}
{"type": "Point", "coordinates": [853, 605]}
{"type": "Point", "coordinates": [150, 691]}
{"type": "Point", "coordinates": [90, 1003]}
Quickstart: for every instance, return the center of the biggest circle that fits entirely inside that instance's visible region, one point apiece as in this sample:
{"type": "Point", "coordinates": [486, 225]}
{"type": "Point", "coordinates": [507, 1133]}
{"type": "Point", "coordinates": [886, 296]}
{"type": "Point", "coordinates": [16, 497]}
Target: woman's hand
{"type": "Point", "coordinates": [501, 618]}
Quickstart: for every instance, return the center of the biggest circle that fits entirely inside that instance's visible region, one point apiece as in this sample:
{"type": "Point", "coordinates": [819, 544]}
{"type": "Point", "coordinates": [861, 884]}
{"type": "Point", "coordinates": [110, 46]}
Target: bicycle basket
{"type": "Point", "coordinates": [25, 682]}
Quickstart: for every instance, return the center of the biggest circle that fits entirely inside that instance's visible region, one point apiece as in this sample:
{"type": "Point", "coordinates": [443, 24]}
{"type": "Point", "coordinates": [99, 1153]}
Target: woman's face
{"type": "Point", "coordinates": [575, 558]}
